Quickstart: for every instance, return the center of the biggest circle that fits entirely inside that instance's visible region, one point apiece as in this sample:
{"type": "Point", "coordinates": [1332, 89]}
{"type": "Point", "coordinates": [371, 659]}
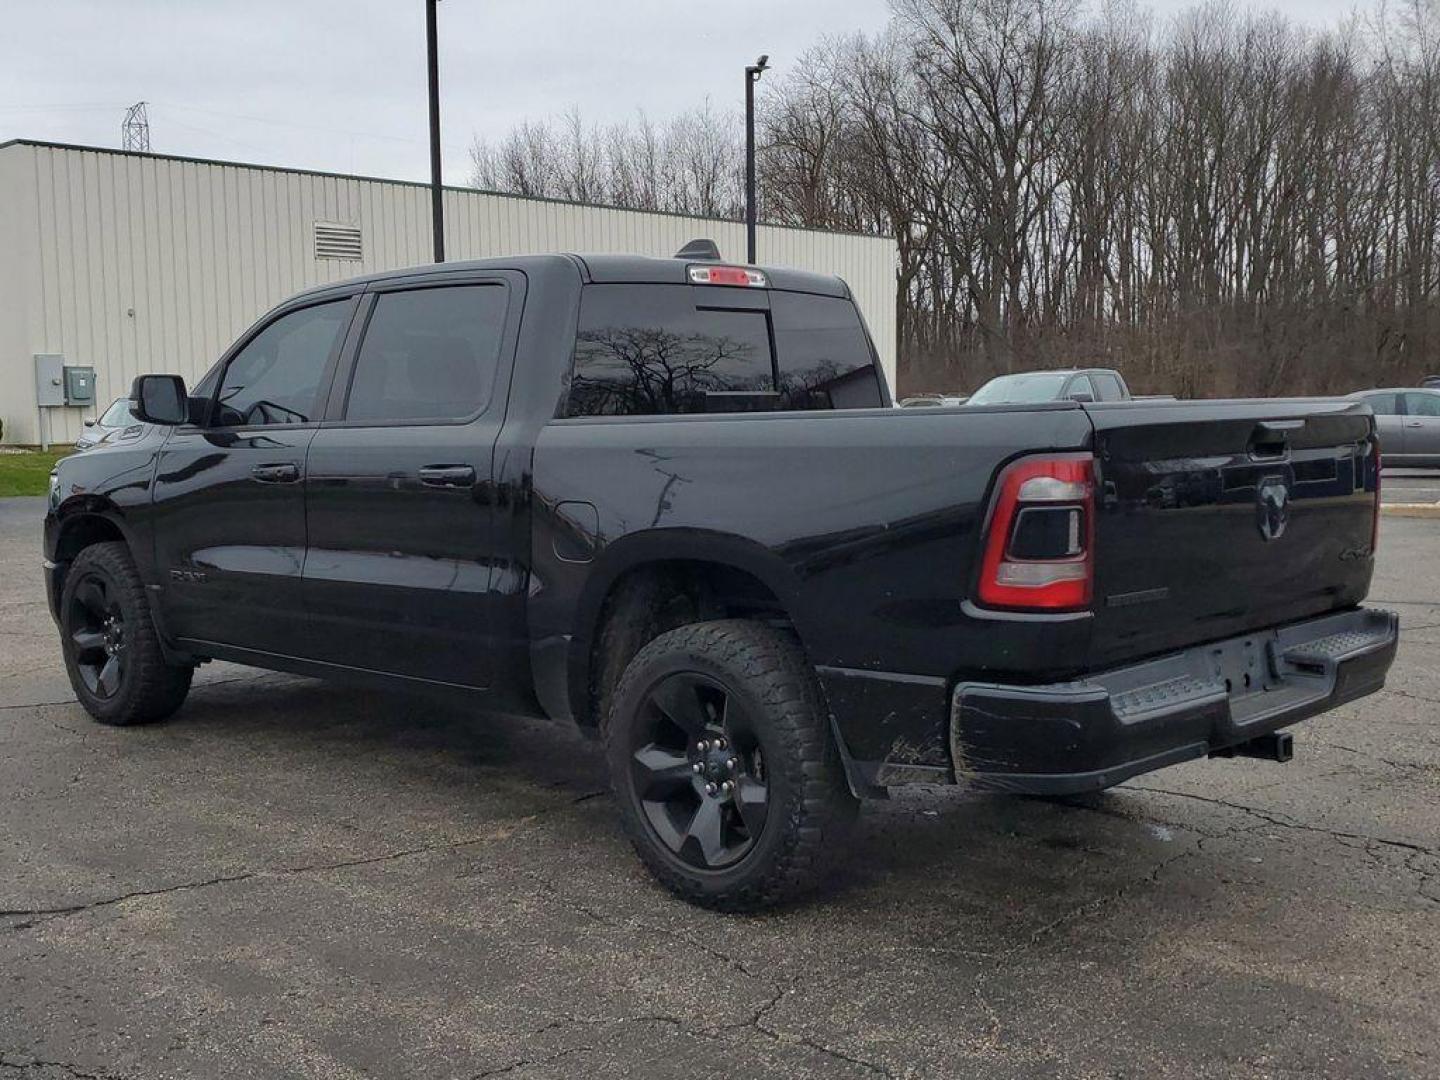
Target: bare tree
{"type": "Point", "coordinates": [1226, 204]}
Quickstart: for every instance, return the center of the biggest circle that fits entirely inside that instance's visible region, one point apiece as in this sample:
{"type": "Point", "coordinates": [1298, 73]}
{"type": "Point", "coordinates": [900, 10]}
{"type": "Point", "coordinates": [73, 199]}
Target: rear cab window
{"type": "Point", "coordinates": [656, 350]}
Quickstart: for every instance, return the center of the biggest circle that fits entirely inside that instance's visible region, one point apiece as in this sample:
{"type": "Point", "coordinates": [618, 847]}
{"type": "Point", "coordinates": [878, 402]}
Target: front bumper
{"type": "Point", "coordinates": [53, 581]}
{"type": "Point", "coordinates": [1105, 728]}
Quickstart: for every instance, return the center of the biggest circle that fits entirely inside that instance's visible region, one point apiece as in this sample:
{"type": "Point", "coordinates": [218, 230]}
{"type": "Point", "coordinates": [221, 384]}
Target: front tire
{"type": "Point", "coordinates": [112, 651]}
{"type": "Point", "coordinates": [729, 783]}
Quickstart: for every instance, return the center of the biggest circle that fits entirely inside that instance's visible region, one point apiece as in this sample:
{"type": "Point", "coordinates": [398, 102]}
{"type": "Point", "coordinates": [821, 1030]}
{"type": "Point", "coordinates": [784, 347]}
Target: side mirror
{"type": "Point", "coordinates": [159, 399]}
{"type": "Point", "coordinates": [90, 421]}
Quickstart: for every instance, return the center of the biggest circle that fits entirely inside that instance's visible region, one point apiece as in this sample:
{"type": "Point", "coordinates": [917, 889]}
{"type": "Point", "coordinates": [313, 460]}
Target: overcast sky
{"type": "Point", "coordinates": [339, 85]}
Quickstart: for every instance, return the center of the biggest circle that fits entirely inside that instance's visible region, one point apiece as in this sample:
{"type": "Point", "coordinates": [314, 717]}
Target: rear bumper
{"type": "Point", "coordinates": [1108, 727]}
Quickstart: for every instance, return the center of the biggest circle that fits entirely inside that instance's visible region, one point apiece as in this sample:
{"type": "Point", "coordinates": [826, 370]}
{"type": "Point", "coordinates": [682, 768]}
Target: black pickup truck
{"type": "Point", "coordinates": [667, 500]}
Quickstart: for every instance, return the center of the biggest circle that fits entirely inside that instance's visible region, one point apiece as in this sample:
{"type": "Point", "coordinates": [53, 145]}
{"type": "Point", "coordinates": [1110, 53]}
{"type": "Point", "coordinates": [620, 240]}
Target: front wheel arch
{"type": "Point", "coordinates": [81, 529]}
{"type": "Point", "coordinates": [77, 528]}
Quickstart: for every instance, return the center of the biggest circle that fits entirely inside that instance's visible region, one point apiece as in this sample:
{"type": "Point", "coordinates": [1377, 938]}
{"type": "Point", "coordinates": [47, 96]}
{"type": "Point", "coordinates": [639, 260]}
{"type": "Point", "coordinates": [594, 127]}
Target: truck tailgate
{"type": "Point", "coordinates": [1216, 518]}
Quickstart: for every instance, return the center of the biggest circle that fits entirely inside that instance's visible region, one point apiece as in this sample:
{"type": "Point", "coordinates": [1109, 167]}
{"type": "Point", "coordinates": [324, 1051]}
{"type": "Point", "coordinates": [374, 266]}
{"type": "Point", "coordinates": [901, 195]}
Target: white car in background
{"type": "Point", "coordinates": [930, 401]}
{"type": "Point", "coordinates": [116, 418]}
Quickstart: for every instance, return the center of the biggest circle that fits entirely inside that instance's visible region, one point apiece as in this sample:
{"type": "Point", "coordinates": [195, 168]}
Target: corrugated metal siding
{"type": "Point", "coordinates": [134, 264]}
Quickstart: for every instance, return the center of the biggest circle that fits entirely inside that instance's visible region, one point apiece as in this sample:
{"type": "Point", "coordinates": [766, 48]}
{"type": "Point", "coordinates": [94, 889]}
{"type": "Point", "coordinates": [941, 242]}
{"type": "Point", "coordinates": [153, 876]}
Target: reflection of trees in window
{"type": "Point", "coordinates": [635, 370]}
{"type": "Point", "coordinates": [809, 388]}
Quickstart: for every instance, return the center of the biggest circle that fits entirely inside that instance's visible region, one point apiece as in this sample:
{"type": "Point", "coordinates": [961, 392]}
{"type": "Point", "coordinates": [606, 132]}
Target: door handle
{"type": "Point", "coordinates": [1413, 423]}
{"type": "Point", "coordinates": [447, 476]}
{"type": "Point", "coordinates": [286, 473]}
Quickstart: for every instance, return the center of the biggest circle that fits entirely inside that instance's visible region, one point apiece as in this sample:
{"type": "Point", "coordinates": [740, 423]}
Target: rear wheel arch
{"type": "Point", "coordinates": [647, 597]}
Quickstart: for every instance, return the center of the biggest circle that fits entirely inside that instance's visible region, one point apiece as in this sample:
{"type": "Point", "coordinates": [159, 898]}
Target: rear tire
{"type": "Point", "coordinates": [111, 648]}
{"type": "Point", "coordinates": [729, 783]}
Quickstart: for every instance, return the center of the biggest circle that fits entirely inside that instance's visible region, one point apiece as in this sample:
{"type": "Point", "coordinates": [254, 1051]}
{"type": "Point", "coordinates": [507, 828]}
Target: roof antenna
{"type": "Point", "coordinates": [700, 249]}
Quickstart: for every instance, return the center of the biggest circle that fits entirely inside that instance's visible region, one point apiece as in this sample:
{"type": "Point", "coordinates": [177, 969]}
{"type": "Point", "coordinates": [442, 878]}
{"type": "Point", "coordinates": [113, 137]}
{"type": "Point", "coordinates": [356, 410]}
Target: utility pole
{"type": "Point", "coordinates": [135, 129]}
{"type": "Point", "coordinates": [437, 209]}
{"type": "Point", "coordinates": [752, 76]}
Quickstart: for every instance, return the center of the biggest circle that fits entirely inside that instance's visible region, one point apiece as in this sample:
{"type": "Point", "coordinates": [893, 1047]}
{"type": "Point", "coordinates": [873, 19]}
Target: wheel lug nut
{"type": "Point", "coordinates": [719, 744]}
{"type": "Point", "coordinates": [698, 767]}
{"type": "Point", "coordinates": [702, 746]}
{"type": "Point", "coordinates": [728, 786]}
{"type": "Point", "coordinates": [733, 764]}
{"type": "Point", "coordinates": [711, 789]}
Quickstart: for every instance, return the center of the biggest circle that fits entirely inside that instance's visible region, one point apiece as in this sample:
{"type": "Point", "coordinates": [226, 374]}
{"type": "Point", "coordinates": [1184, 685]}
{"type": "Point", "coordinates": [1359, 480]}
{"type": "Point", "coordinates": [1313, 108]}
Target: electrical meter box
{"type": "Point", "coordinates": [49, 379]}
{"type": "Point", "coordinates": [79, 386]}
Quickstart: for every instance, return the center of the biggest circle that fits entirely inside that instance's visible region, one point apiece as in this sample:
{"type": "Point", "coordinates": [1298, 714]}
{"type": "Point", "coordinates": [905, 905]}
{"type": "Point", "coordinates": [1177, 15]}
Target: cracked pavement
{"type": "Point", "coordinates": [292, 879]}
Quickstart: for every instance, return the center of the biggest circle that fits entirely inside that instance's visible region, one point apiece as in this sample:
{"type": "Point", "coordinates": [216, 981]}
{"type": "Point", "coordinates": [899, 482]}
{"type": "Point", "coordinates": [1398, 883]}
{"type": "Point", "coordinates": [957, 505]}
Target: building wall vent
{"type": "Point", "coordinates": [335, 241]}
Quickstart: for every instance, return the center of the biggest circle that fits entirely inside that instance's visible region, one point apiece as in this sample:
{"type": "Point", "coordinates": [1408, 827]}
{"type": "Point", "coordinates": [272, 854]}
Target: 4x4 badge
{"type": "Point", "coordinates": [1272, 506]}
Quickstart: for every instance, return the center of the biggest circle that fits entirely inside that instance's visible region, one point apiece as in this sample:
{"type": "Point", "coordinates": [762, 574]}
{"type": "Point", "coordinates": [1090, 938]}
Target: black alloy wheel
{"type": "Point", "coordinates": [117, 665]}
{"type": "Point", "coordinates": [95, 623]}
{"type": "Point", "coordinates": [699, 770]}
{"type": "Point", "coordinates": [728, 780]}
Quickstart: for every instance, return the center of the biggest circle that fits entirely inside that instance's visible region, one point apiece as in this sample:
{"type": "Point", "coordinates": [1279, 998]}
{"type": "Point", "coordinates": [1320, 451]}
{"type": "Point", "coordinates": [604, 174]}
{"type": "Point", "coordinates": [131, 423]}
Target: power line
{"type": "Point", "coordinates": [60, 107]}
{"type": "Point", "coordinates": [327, 129]}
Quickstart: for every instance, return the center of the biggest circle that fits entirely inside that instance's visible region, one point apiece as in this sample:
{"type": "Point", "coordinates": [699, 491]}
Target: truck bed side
{"type": "Point", "coordinates": [863, 524]}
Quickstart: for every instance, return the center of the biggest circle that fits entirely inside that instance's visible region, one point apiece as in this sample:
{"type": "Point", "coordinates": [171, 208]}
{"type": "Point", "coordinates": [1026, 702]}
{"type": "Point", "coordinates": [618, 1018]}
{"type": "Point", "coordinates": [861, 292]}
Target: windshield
{"type": "Point", "coordinates": [118, 414]}
{"type": "Point", "coordinates": [1020, 389]}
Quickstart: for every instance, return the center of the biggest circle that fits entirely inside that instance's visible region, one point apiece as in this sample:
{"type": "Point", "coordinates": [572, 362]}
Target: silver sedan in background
{"type": "Point", "coordinates": [1409, 423]}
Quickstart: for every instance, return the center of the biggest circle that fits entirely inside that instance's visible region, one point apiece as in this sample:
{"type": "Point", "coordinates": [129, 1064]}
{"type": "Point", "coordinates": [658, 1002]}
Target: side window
{"type": "Point", "coordinates": [643, 350]}
{"type": "Point", "coordinates": [429, 354]}
{"type": "Point", "coordinates": [275, 379]}
{"type": "Point", "coordinates": [1384, 404]}
{"type": "Point", "coordinates": [1081, 384]}
{"type": "Point", "coordinates": [1108, 387]}
{"type": "Point", "coordinates": [1422, 404]}
{"type": "Point", "coordinates": [823, 356]}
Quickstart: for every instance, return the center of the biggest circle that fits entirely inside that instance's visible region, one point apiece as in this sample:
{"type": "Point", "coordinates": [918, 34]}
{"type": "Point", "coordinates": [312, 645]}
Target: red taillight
{"type": "Point", "coordinates": [1040, 539]}
{"type": "Point", "coordinates": [727, 275]}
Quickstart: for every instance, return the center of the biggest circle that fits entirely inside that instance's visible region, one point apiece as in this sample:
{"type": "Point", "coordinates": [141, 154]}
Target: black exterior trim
{"type": "Point", "coordinates": [1106, 728]}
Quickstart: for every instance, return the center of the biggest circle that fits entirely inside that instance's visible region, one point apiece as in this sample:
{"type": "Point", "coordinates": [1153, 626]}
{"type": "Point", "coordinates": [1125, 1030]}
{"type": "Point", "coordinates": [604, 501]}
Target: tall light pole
{"type": "Point", "coordinates": [437, 209]}
{"type": "Point", "coordinates": [752, 76]}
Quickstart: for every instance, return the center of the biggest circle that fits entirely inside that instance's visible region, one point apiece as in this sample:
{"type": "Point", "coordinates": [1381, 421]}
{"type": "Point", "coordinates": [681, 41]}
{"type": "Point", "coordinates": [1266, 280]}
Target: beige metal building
{"type": "Point", "coordinates": [130, 263]}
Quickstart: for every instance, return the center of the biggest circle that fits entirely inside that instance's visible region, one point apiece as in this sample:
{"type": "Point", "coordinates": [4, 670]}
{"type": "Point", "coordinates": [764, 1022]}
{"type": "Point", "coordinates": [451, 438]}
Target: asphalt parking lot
{"type": "Point", "coordinates": [294, 879]}
{"type": "Point", "coordinates": [1410, 486]}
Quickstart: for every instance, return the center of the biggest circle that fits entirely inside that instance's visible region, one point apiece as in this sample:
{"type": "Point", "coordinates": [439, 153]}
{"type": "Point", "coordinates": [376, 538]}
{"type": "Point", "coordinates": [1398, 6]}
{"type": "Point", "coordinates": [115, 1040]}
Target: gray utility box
{"type": "Point", "coordinates": [49, 379]}
{"type": "Point", "coordinates": [79, 386]}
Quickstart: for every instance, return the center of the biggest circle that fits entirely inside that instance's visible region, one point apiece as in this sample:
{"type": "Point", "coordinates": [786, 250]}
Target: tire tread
{"type": "Point", "coordinates": [156, 688]}
{"type": "Point", "coordinates": [778, 675]}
